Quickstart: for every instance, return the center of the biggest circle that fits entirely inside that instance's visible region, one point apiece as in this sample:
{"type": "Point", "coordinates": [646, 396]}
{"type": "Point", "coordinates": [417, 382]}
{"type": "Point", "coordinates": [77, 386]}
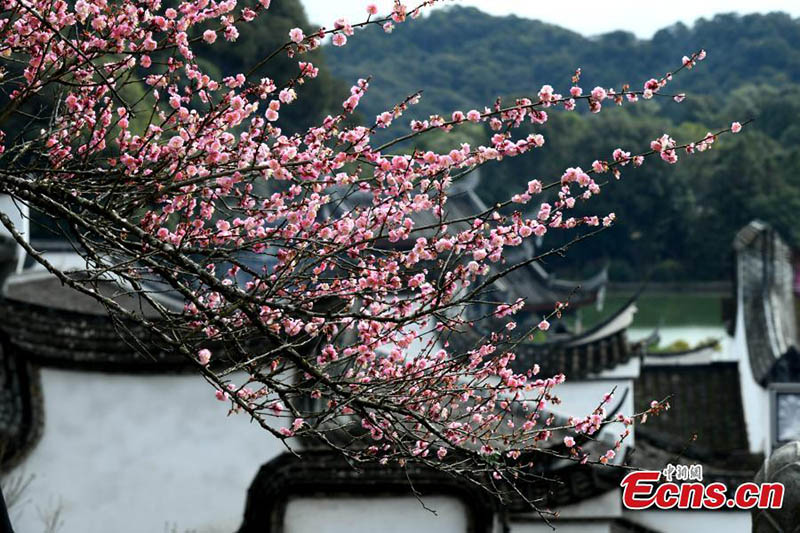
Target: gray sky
{"type": "Point", "coordinates": [586, 17]}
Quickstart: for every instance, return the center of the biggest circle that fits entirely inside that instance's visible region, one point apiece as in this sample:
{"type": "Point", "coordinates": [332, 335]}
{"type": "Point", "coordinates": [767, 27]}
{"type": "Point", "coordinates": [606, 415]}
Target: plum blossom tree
{"type": "Point", "coordinates": [320, 277]}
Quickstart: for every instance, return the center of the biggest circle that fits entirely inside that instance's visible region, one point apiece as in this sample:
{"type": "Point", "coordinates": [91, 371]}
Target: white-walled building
{"type": "Point", "coordinates": [105, 439]}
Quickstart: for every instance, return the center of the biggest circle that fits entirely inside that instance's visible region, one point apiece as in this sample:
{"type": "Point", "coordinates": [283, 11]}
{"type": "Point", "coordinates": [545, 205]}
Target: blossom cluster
{"type": "Point", "coordinates": [319, 239]}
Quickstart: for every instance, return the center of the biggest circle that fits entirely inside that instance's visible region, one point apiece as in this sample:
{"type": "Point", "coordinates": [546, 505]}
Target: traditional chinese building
{"type": "Point", "coordinates": [105, 439]}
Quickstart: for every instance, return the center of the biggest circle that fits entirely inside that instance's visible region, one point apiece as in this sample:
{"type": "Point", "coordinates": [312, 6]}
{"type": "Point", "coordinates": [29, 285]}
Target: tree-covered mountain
{"type": "Point", "coordinates": [678, 220]}
{"type": "Point", "coordinates": [462, 57]}
{"type": "Point", "coordinates": [259, 39]}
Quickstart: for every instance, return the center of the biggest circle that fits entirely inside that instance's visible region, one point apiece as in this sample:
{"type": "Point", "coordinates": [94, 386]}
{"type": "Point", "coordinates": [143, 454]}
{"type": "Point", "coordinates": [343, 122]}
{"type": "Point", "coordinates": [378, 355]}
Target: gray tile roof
{"type": "Point", "coordinates": [765, 278]}
{"type": "Point", "coordinates": [21, 409]}
{"type": "Point", "coordinates": [706, 418]}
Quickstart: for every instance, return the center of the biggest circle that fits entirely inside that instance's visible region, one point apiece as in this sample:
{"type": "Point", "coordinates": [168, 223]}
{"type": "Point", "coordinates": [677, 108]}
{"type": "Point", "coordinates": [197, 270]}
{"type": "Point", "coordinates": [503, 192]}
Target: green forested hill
{"type": "Point", "coordinates": [462, 57]}
{"type": "Point", "coordinates": [677, 221]}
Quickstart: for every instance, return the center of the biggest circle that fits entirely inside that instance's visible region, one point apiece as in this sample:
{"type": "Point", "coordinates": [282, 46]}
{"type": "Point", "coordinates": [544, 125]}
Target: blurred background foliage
{"type": "Point", "coordinates": [675, 222]}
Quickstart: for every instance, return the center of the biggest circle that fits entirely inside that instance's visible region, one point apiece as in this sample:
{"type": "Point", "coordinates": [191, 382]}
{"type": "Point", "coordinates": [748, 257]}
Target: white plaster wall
{"type": "Point", "coordinates": [607, 505]}
{"type": "Point", "coordinates": [18, 215]}
{"type": "Point", "coordinates": [372, 515]}
{"type": "Point", "coordinates": [581, 398]}
{"type": "Point", "coordinates": [755, 399]}
{"type": "Point", "coordinates": [631, 369]}
{"type": "Point", "coordinates": [132, 453]}
{"type": "Point", "coordinates": [589, 526]}
{"type": "Point", "coordinates": [661, 521]}
{"type": "Point", "coordinates": [686, 521]}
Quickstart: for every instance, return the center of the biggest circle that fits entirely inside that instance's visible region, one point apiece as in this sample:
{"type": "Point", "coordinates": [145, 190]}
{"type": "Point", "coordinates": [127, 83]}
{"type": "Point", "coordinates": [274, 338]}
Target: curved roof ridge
{"type": "Point", "coordinates": [618, 321]}
{"type": "Point", "coordinates": [700, 354]}
{"type": "Point", "coordinates": [765, 285]}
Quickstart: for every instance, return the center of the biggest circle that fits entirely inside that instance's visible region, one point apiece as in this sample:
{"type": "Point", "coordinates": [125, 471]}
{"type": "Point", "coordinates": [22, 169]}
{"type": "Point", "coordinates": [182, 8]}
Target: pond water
{"type": "Point", "coordinates": [690, 317]}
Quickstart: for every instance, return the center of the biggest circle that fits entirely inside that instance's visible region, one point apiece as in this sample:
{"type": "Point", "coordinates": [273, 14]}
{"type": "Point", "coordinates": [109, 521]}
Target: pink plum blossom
{"type": "Point", "coordinates": [209, 36]}
{"type": "Point", "coordinates": [209, 173]}
{"type": "Point", "coordinates": [296, 35]}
